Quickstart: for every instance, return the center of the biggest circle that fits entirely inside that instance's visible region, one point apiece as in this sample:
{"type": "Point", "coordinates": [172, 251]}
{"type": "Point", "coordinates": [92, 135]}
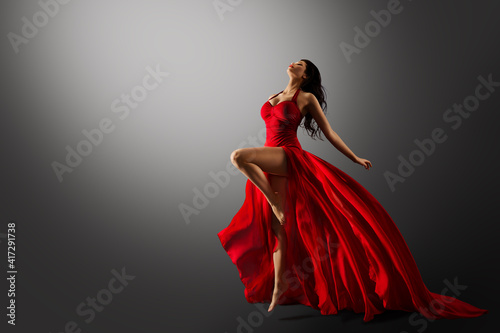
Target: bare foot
{"type": "Point", "coordinates": [279, 289]}
{"type": "Point", "coordinates": [278, 208]}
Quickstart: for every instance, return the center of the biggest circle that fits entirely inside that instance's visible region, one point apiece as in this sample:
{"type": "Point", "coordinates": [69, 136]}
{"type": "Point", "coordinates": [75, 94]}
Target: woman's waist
{"type": "Point", "coordinates": [277, 141]}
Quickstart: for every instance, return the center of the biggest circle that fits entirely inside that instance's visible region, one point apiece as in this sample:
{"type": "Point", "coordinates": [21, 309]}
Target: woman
{"type": "Point", "coordinates": [308, 233]}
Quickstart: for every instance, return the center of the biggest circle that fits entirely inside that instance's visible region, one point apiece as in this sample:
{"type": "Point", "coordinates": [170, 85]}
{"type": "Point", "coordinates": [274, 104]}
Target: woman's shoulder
{"type": "Point", "coordinates": [306, 96]}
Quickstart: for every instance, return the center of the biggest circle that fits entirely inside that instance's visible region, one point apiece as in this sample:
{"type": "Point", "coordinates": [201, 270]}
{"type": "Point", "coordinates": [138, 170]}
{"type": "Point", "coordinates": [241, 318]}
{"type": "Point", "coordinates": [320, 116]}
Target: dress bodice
{"type": "Point", "coordinates": [282, 121]}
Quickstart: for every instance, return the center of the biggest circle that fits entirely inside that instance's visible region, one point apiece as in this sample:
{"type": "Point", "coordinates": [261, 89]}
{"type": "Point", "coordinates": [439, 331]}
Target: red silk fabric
{"type": "Point", "coordinates": [344, 250]}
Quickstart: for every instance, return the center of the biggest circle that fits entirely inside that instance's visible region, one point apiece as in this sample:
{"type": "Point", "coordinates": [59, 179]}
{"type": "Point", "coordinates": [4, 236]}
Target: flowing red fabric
{"type": "Point", "coordinates": [344, 250]}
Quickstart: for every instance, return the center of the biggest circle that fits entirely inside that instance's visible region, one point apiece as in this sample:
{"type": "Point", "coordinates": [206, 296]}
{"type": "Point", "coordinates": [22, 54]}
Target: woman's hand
{"type": "Point", "coordinates": [365, 163]}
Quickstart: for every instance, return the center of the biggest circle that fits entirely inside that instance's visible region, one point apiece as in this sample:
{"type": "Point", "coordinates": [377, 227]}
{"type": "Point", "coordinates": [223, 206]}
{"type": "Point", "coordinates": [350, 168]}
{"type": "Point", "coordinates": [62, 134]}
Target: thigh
{"type": "Point", "coordinates": [270, 159]}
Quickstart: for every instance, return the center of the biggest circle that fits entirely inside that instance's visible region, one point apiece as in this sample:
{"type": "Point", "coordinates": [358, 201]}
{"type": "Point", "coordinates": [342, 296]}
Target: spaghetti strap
{"type": "Point", "coordinates": [275, 95]}
{"type": "Point", "coordinates": [294, 98]}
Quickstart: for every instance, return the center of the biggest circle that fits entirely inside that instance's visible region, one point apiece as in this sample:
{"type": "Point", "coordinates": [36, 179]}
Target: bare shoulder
{"type": "Point", "coordinates": [307, 97]}
{"type": "Point", "coordinates": [306, 100]}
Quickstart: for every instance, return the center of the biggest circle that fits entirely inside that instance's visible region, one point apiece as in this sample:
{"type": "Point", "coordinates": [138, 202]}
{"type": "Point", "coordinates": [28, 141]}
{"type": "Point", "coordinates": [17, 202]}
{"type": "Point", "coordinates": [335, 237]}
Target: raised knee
{"type": "Point", "coordinates": [237, 157]}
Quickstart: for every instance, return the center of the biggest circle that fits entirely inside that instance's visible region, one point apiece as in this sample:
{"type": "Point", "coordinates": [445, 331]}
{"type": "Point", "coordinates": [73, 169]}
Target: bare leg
{"type": "Point", "coordinates": [253, 162]}
{"type": "Point", "coordinates": [278, 184]}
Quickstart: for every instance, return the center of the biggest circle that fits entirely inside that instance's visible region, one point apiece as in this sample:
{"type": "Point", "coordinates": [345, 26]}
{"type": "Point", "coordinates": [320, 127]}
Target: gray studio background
{"type": "Point", "coordinates": [119, 208]}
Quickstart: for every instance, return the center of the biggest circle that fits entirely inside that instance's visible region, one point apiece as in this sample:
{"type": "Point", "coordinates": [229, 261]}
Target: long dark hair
{"type": "Point", "coordinates": [313, 85]}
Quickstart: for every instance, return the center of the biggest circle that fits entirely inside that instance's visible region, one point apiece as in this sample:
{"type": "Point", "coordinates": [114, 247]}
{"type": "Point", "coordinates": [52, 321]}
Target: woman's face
{"type": "Point", "coordinates": [297, 69]}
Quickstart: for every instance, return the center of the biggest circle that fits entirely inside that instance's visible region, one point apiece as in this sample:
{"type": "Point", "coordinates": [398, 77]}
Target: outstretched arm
{"type": "Point", "coordinates": [314, 108]}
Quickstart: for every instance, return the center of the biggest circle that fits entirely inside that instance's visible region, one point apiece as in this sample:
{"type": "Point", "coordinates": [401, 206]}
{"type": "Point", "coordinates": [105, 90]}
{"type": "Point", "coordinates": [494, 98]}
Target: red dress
{"type": "Point", "coordinates": [344, 251]}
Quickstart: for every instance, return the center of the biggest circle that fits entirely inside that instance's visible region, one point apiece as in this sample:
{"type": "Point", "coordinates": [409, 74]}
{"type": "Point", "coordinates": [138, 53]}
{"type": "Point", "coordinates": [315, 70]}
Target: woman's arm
{"type": "Point", "coordinates": [314, 108]}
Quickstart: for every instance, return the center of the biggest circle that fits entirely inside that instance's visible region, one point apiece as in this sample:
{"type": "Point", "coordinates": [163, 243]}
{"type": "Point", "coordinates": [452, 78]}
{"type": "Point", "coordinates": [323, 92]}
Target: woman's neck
{"type": "Point", "coordinates": [293, 85]}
